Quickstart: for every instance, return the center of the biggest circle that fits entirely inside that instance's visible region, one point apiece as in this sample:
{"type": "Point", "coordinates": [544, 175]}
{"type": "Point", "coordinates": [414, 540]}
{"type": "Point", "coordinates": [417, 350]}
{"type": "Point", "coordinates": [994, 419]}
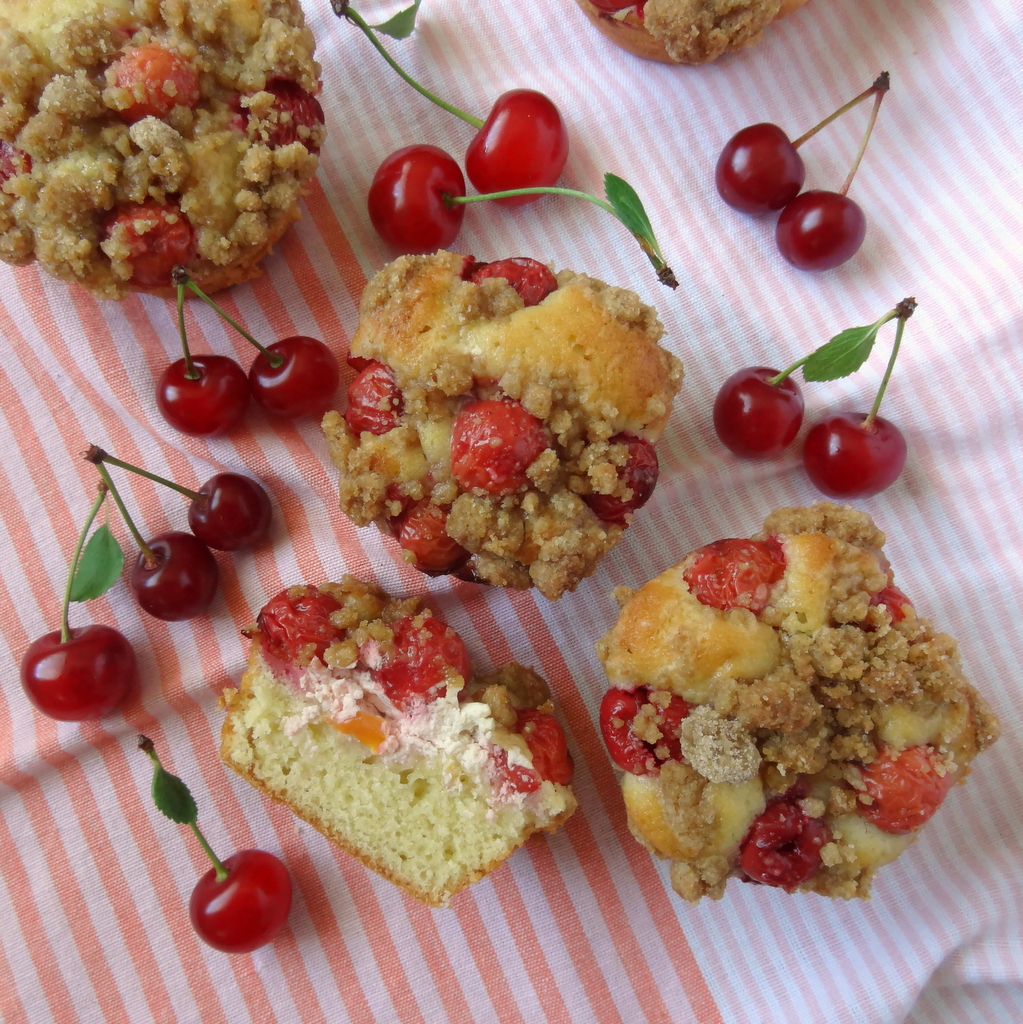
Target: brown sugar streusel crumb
{"type": "Point", "coordinates": [818, 720]}
{"type": "Point", "coordinates": [581, 372]}
{"type": "Point", "coordinates": [227, 159]}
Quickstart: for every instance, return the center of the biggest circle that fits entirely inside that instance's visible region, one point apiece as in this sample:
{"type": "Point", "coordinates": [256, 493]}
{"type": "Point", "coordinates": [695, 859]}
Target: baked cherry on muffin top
{"type": "Point", "coordinates": [135, 136]}
{"type": "Point", "coordinates": [502, 420]}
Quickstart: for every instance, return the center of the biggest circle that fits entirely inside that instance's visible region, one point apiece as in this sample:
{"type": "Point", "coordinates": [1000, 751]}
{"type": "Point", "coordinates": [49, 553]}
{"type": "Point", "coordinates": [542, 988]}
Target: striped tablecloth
{"type": "Point", "coordinates": [583, 926]}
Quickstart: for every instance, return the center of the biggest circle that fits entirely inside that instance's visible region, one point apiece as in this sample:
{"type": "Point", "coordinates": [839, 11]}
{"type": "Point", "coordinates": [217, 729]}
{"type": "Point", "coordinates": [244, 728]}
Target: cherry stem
{"type": "Point", "coordinates": [65, 629]}
{"type": "Point", "coordinates": [902, 312]}
{"type": "Point", "coordinates": [342, 10]}
{"type": "Point", "coordinates": [95, 455]}
{"type": "Point", "coordinates": [881, 85]}
{"type": "Point", "coordinates": [878, 96]}
{"type": "Point", "coordinates": [648, 243]}
{"type": "Point", "coordinates": [146, 550]}
{"type": "Point", "coordinates": [191, 373]}
{"type": "Point", "coordinates": [180, 277]}
{"type": "Point", "coordinates": [218, 864]}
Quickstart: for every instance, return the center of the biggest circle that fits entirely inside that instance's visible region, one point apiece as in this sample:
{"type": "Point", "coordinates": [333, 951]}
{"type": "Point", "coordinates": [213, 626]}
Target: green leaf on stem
{"type": "Point", "coordinates": [99, 567]}
{"type": "Point", "coordinates": [172, 797]}
{"type": "Point", "coordinates": [402, 24]}
{"type": "Point", "coordinates": [845, 353]}
{"type": "Point", "coordinates": [622, 196]}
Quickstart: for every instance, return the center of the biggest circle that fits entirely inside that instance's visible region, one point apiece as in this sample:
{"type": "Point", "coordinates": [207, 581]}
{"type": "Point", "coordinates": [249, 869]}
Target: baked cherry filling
{"type": "Point", "coordinates": [547, 748]}
{"type": "Point", "coordinates": [374, 400]}
{"type": "Point", "coordinates": [158, 238]}
{"type": "Point", "coordinates": [894, 600]}
{"type": "Point", "coordinates": [783, 845]}
{"type": "Point", "coordinates": [12, 161]}
{"type": "Point", "coordinates": [422, 531]}
{"type": "Point", "coordinates": [736, 573]}
{"type": "Point", "coordinates": [424, 655]}
{"type": "Point", "coordinates": [639, 474]}
{"type": "Point", "coordinates": [295, 625]}
{"type": "Point", "coordinates": [905, 789]}
{"type": "Point", "coordinates": [657, 715]}
{"type": "Point", "coordinates": [530, 278]}
{"type": "Point", "coordinates": [159, 80]}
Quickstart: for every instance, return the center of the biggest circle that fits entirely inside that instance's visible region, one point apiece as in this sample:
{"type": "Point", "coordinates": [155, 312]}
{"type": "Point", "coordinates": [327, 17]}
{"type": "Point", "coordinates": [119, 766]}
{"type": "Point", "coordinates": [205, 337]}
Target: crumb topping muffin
{"type": "Point", "coordinates": [136, 135]}
{"type": "Point", "coordinates": [781, 712]}
{"type": "Point", "coordinates": [502, 421]}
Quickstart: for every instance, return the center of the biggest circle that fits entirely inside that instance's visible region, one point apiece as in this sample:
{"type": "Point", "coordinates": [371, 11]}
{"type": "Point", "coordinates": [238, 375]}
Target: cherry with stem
{"type": "Point", "coordinates": [228, 512]}
{"type": "Point", "coordinates": [175, 576]}
{"type": "Point", "coordinates": [242, 902]}
{"type": "Point", "coordinates": [83, 673]}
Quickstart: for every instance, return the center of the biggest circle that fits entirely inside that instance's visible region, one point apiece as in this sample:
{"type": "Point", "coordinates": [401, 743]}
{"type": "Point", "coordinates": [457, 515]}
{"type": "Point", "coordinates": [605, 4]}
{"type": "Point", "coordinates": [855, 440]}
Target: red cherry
{"type": "Point", "coordinates": [85, 677]}
{"type": "Point", "coordinates": [374, 400]}
{"type": "Point", "coordinates": [547, 745]}
{"type": "Point", "coordinates": [12, 161]}
{"type": "Point", "coordinates": [522, 144]}
{"type": "Point", "coordinates": [783, 845]}
{"type": "Point", "coordinates": [906, 789]}
{"type": "Point", "coordinates": [493, 443]}
{"type": "Point", "coordinates": [422, 530]}
{"type": "Point", "coordinates": [755, 419]}
{"type": "Point", "coordinates": [158, 78]}
{"type": "Point", "coordinates": [209, 406]}
{"type": "Point", "coordinates": [846, 460]}
{"type": "Point", "coordinates": [424, 655]}
{"type": "Point", "coordinates": [295, 625]}
{"type": "Point", "coordinates": [181, 583]}
{"type": "Point", "coordinates": [303, 385]}
{"type": "Point", "coordinates": [736, 573]}
{"type": "Point", "coordinates": [759, 170]}
{"type": "Point", "coordinates": [640, 474]}
{"type": "Point", "coordinates": [530, 278]}
{"type": "Point", "coordinates": [618, 711]}
{"type": "Point", "coordinates": [248, 908]}
{"type": "Point", "coordinates": [894, 600]}
{"type": "Point", "coordinates": [233, 513]}
{"type": "Point", "coordinates": [406, 199]}
{"type": "Point", "coordinates": [297, 112]}
{"type": "Point", "coordinates": [820, 230]}
{"type": "Point", "coordinates": [158, 238]}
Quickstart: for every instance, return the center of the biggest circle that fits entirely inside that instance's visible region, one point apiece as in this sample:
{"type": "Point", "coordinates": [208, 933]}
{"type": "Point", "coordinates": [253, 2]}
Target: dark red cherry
{"type": "Point", "coordinates": [406, 199]}
{"type": "Point", "coordinates": [522, 144]}
{"type": "Point", "coordinates": [208, 406]}
{"type": "Point", "coordinates": [639, 473]}
{"type": "Point", "coordinates": [303, 385]}
{"type": "Point", "coordinates": [530, 278]}
{"type": "Point", "coordinates": [845, 459]}
{"type": "Point", "coordinates": [820, 230]}
{"type": "Point", "coordinates": [783, 845]}
{"type": "Point", "coordinates": [759, 170]}
{"type": "Point", "coordinates": [182, 581]}
{"type": "Point", "coordinates": [755, 419]}
{"type": "Point", "coordinates": [233, 512]}
{"type": "Point", "coordinates": [83, 678]}
{"type": "Point", "coordinates": [375, 401]}
{"type": "Point", "coordinates": [422, 531]}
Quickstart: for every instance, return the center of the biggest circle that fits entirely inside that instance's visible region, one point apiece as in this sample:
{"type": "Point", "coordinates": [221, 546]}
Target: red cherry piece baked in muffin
{"type": "Point", "coordinates": [363, 714]}
{"type": "Point", "coordinates": [113, 110]}
{"type": "Point", "coordinates": [513, 408]}
{"type": "Point", "coordinates": [824, 721]}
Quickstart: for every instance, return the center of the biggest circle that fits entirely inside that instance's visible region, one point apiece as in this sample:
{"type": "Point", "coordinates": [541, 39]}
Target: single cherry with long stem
{"type": "Point", "coordinates": [242, 902]}
{"type": "Point", "coordinates": [228, 512]}
{"type": "Point", "coordinates": [81, 673]}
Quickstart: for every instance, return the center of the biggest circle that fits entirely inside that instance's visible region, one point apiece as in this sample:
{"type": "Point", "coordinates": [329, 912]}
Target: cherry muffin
{"type": "Point", "coordinates": [685, 31]}
{"type": "Point", "coordinates": [136, 135]}
{"type": "Point", "coordinates": [502, 421]}
{"type": "Point", "coordinates": [781, 713]}
{"type": "Point", "coordinates": [364, 716]}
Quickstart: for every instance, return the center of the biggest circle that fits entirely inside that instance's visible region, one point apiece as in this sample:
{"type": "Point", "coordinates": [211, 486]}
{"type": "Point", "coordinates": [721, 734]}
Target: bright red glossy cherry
{"type": "Point", "coordinates": [295, 625]}
{"type": "Point", "coordinates": [303, 385]}
{"type": "Point", "coordinates": [736, 573]}
{"type": "Point", "coordinates": [756, 419]}
{"type": "Point", "coordinates": [245, 910]}
{"type": "Point", "coordinates": [209, 406]}
{"type": "Point", "coordinates": [83, 678]}
{"type": "Point", "coordinates": [406, 199]}
{"type": "Point", "coordinates": [820, 230]}
{"type": "Point", "coordinates": [783, 846]}
{"type": "Point", "coordinates": [422, 531]}
{"type": "Point", "coordinates": [157, 237]}
{"type": "Point", "coordinates": [182, 581]}
{"type": "Point", "coordinates": [374, 400]}
{"type": "Point", "coordinates": [493, 443]}
{"type": "Point", "coordinates": [522, 144]}
{"type": "Point", "coordinates": [845, 459]}
{"type": "Point", "coordinates": [530, 278]}
{"type": "Point", "coordinates": [547, 745]}
{"type": "Point", "coordinates": [233, 512]}
{"type": "Point", "coordinates": [424, 655]}
{"type": "Point", "coordinates": [640, 474]}
{"type": "Point", "coordinates": [158, 78]}
{"type": "Point", "coordinates": [759, 170]}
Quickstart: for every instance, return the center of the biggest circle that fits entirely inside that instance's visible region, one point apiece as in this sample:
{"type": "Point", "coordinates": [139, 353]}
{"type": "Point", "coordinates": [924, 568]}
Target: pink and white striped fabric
{"type": "Point", "coordinates": [583, 926]}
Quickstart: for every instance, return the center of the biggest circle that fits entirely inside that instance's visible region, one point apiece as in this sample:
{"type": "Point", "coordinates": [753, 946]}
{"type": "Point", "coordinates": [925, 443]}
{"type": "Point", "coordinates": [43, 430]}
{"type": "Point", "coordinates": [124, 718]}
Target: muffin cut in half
{"type": "Point", "coordinates": [363, 715]}
{"type": "Point", "coordinates": [781, 713]}
{"type": "Point", "coordinates": [502, 422]}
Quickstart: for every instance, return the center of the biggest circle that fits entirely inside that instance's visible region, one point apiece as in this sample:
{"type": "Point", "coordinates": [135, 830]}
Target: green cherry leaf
{"type": "Point", "coordinates": [622, 196]}
{"type": "Point", "coordinates": [845, 353]}
{"type": "Point", "coordinates": [402, 24]}
{"type": "Point", "coordinates": [99, 567]}
{"type": "Point", "coordinates": [173, 798]}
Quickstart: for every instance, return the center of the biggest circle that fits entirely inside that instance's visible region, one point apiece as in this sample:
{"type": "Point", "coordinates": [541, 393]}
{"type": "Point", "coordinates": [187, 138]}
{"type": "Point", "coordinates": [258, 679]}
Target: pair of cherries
{"type": "Point", "coordinates": [760, 171]}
